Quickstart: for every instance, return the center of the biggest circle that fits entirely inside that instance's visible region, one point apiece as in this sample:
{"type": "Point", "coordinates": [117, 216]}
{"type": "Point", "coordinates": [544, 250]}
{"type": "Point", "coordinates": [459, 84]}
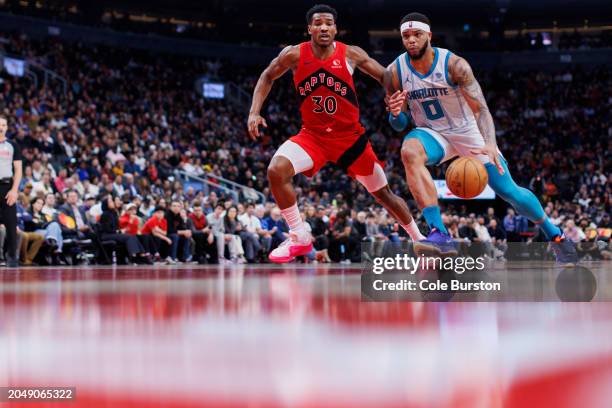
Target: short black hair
{"type": "Point", "coordinates": [320, 8]}
{"type": "Point", "coordinates": [416, 17]}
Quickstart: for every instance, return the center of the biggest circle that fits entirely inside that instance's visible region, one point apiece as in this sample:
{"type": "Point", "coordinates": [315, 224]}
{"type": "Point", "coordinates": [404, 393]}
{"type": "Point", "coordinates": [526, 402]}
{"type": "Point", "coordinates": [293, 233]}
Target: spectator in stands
{"type": "Point", "coordinates": [205, 245]}
{"type": "Point", "coordinates": [156, 228]}
{"type": "Point", "coordinates": [47, 227]}
{"type": "Point", "coordinates": [3, 255]}
{"type": "Point", "coordinates": [498, 237]}
{"type": "Point", "coordinates": [60, 180]}
{"type": "Point", "coordinates": [374, 235]}
{"type": "Point", "coordinates": [466, 229]}
{"type": "Point", "coordinates": [129, 186]}
{"type": "Point", "coordinates": [556, 219]}
{"type": "Point", "coordinates": [110, 231]}
{"type": "Point", "coordinates": [264, 234]}
{"type": "Point", "coordinates": [233, 228]}
{"type": "Point", "coordinates": [453, 229]}
{"type": "Point", "coordinates": [43, 186]}
{"type": "Point", "coordinates": [27, 178]}
{"type": "Point", "coordinates": [276, 226]}
{"type": "Point", "coordinates": [511, 227]}
{"type": "Point", "coordinates": [251, 233]}
{"type": "Point", "coordinates": [359, 226]}
{"type": "Point", "coordinates": [49, 209]}
{"type": "Point", "coordinates": [216, 224]}
{"type": "Point", "coordinates": [146, 207]}
{"type": "Point", "coordinates": [129, 223]}
{"type": "Point", "coordinates": [491, 216]}
{"type": "Point", "coordinates": [77, 213]}
{"type": "Point", "coordinates": [29, 242]}
{"type": "Point", "coordinates": [320, 229]}
{"type": "Point", "coordinates": [118, 188]}
{"type": "Point", "coordinates": [90, 188]}
{"type": "Point", "coordinates": [483, 236]}
{"type": "Point", "coordinates": [189, 225]}
{"type": "Point", "coordinates": [344, 239]}
{"type": "Point", "coordinates": [392, 229]}
{"type": "Point", "coordinates": [522, 226]}
{"type": "Point", "coordinates": [178, 233]}
{"type": "Point", "coordinates": [605, 221]}
{"type": "Point", "coordinates": [571, 231]}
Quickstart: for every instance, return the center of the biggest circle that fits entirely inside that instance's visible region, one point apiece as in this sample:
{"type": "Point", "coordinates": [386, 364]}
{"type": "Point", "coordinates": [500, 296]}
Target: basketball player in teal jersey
{"type": "Point", "coordinates": [438, 92]}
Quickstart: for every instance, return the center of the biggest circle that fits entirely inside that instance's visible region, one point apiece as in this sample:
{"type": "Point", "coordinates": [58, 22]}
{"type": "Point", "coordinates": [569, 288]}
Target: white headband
{"type": "Point", "coordinates": [414, 25]}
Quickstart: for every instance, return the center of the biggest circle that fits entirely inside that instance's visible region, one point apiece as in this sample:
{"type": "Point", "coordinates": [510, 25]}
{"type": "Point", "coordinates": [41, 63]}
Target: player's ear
{"type": "Point", "coordinates": [309, 29]}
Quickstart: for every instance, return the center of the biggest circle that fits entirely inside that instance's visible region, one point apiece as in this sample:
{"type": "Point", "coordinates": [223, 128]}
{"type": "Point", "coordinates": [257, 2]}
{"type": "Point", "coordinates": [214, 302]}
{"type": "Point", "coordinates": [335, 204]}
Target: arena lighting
{"type": "Point", "coordinates": [209, 89]}
{"type": "Point", "coordinates": [14, 66]}
{"type": "Point", "coordinates": [213, 90]}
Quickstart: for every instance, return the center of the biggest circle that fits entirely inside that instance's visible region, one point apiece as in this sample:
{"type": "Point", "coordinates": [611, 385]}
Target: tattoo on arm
{"type": "Point", "coordinates": [462, 75]}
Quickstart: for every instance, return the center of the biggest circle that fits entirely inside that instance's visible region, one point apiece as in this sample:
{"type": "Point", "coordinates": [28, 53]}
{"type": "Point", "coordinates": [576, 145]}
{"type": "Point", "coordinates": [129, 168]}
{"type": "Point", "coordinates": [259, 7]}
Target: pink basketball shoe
{"type": "Point", "coordinates": [290, 248]}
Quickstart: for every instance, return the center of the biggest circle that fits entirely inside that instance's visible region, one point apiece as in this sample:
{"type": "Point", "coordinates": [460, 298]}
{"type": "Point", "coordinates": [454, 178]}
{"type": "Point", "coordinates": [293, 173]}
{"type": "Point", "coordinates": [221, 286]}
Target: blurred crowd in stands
{"type": "Point", "coordinates": [100, 161]}
{"type": "Point", "coordinates": [536, 40]}
{"type": "Point", "coordinates": [228, 23]}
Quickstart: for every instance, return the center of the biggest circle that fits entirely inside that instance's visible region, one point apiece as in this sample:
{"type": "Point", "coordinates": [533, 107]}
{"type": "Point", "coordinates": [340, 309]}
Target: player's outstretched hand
{"type": "Point", "coordinates": [253, 124]}
{"type": "Point", "coordinates": [490, 151]}
{"type": "Point", "coordinates": [395, 102]}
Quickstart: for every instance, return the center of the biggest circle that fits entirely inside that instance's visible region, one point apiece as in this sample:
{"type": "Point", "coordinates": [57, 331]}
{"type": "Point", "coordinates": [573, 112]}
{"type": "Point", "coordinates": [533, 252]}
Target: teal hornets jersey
{"type": "Point", "coordinates": [434, 101]}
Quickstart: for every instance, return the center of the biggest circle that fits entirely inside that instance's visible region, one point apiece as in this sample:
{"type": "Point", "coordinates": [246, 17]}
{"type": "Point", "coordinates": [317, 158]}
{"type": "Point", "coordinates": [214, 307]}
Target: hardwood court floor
{"type": "Point", "coordinates": [292, 336]}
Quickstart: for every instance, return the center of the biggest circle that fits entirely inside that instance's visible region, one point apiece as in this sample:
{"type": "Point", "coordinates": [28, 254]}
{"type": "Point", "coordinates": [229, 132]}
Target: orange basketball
{"type": "Point", "coordinates": [466, 177]}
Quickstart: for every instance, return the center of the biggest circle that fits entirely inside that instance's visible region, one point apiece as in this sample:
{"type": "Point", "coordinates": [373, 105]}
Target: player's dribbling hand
{"type": "Point", "coordinates": [395, 102]}
{"type": "Point", "coordinates": [254, 122]}
{"type": "Point", "coordinates": [491, 151]}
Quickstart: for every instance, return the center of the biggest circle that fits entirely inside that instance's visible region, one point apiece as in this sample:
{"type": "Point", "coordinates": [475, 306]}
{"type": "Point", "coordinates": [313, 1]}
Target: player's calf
{"type": "Point", "coordinates": [527, 204]}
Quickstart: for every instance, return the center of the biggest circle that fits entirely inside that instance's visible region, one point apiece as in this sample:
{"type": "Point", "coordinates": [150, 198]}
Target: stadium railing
{"type": "Point", "coordinates": [227, 186]}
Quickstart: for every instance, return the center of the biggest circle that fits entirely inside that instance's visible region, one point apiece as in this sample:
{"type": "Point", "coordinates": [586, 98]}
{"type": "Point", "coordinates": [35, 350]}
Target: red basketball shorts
{"type": "Point", "coordinates": [351, 151]}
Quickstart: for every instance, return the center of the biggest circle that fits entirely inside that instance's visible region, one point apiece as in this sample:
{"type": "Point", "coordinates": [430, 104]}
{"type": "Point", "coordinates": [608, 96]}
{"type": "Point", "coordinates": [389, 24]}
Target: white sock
{"type": "Point", "coordinates": [413, 230]}
{"type": "Point", "coordinates": [294, 220]}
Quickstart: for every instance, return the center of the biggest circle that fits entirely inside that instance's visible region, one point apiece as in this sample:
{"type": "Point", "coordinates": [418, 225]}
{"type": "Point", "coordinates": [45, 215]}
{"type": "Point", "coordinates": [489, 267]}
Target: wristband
{"type": "Point", "coordinates": [399, 122]}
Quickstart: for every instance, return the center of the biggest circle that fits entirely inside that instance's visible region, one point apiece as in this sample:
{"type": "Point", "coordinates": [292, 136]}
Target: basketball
{"type": "Point", "coordinates": [466, 177]}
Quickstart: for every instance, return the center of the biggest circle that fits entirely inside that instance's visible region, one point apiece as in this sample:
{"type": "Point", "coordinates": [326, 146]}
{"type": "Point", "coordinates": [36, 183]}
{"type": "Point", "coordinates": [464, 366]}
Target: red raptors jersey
{"type": "Point", "coordinates": [328, 101]}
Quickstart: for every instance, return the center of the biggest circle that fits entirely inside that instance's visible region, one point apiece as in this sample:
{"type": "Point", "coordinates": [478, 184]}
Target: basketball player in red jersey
{"type": "Point", "coordinates": [322, 74]}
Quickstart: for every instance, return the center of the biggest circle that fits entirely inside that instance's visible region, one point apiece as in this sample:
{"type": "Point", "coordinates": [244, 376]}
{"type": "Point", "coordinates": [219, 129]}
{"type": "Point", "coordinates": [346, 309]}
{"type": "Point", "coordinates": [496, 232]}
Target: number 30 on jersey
{"type": "Point", "coordinates": [327, 105]}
